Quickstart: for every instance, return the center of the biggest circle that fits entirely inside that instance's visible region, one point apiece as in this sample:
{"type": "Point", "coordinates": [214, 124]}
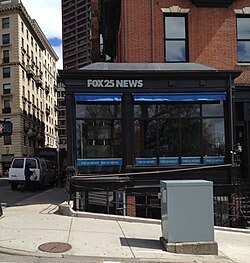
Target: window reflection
{"type": "Point", "coordinates": [175, 50]}
{"type": "Point", "coordinates": [243, 39]}
{"type": "Point", "coordinates": [145, 138]}
{"type": "Point", "coordinates": [92, 111]}
{"type": "Point", "coordinates": [190, 137]}
{"type": "Point", "coordinates": [98, 139]}
{"type": "Point", "coordinates": [180, 130]}
{"type": "Point", "coordinates": [175, 27]}
{"type": "Point", "coordinates": [212, 109]}
{"type": "Point", "coordinates": [213, 137]}
{"type": "Point", "coordinates": [144, 111]}
{"type": "Point", "coordinates": [243, 27]}
{"type": "Point", "coordinates": [175, 39]}
{"type": "Point", "coordinates": [243, 51]}
{"type": "Point", "coordinates": [169, 138]}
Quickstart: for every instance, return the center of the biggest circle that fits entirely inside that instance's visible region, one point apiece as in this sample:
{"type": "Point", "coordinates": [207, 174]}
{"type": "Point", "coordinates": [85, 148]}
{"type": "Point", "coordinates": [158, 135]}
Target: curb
{"type": "Point", "coordinates": [67, 210]}
{"type": "Point", "coordinates": [230, 229]}
{"type": "Point", "coordinates": [10, 251]}
{"type": "Point", "coordinates": [16, 252]}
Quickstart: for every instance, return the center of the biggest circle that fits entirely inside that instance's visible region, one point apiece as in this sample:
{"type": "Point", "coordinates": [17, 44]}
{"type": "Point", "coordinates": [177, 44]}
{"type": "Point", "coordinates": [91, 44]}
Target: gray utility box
{"type": "Point", "coordinates": [187, 211]}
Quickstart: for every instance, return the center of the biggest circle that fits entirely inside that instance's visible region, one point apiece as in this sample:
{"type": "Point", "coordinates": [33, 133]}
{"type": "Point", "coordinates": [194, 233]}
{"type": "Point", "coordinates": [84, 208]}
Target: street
{"type": "Point", "coordinates": [26, 259]}
{"type": "Point", "coordinates": [10, 197]}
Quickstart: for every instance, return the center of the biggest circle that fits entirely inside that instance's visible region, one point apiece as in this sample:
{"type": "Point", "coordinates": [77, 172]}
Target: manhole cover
{"type": "Point", "coordinates": [55, 247]}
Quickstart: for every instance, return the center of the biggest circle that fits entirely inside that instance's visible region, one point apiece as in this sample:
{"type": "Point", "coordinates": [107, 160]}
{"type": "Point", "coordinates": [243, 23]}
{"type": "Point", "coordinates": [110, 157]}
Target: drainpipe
{"type": "Point", "coordinates": [125, 31]}
{"type": "Point", "coordinates": [152, 33]}
{"type": "Point", "coordinates": [231, 179]}
{"type": "Point", "coordinates": [231, 118]}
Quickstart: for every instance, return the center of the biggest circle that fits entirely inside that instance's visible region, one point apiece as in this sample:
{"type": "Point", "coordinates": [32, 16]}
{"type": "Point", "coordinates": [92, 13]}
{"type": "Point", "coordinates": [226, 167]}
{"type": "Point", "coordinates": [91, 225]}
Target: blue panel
{"type": "Point", "coordinates": [195, 96]}
{"type": "Point", "coordinates": [190, 160]}
{"type": "Point", "coordinates": [99, 162]}
{"type": "Point", "coordinates": [146, 161]}
{"type": "Point", "coordinates": [214, 160]}
{"type": "Point", "coordinates": [169, 160]}
{"type": "Point", "coordinates": [109, 97]}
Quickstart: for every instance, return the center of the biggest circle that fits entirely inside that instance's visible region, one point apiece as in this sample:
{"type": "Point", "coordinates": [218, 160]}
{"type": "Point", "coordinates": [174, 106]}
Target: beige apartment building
{"type": "Point", "coordinates": [28, 84]}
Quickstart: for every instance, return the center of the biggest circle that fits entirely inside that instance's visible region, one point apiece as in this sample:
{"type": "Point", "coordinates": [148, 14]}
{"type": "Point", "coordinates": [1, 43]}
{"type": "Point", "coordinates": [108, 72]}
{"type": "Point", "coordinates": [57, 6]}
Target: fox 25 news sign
{"type": "Point", "coordinates": [5, 128]}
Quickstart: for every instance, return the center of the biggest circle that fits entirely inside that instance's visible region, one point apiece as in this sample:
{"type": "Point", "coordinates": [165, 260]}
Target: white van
{"type": "Point", "coordinates": [43, 169]}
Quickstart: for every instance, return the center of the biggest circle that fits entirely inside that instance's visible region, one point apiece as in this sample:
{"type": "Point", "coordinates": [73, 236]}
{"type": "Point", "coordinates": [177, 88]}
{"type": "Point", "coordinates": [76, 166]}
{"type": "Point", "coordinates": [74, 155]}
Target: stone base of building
{"type": "Point", "coordinates": [196, 248]}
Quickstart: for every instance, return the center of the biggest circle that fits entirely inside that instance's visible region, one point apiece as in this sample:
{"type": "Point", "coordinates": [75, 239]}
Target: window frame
{"type": "Point", "coordinates": [7, 140]}
{"type": "Point", "coordinates": [6, 39]}
{"type": "Point", "coordinates": [242, 39]}
{"type": "Point", "coordinates": [6, 88]}
{"type": "Point", "coordinates": [6, 22]}
{"type": "Point", "coordinates": [8, 108]}
{"type": "Point", "coordinates": [6, 74]}
{"type": "Point", "coordinates": [180, 120]}
{"type": "Point", "coordinates": [6, 59]}
{"type": "Point", "coordinates": [185, 39]}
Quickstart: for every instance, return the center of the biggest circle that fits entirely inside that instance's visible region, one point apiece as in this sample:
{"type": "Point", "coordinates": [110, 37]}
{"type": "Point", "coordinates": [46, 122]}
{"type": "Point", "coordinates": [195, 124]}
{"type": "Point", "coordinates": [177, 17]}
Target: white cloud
{"type": "Point", "coordinates": [47, 13]}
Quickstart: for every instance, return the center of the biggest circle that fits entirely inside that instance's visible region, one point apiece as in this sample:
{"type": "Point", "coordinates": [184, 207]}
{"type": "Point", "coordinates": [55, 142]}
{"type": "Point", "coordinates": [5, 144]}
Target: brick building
{"type": "Point", "coordinates": [181, 34]}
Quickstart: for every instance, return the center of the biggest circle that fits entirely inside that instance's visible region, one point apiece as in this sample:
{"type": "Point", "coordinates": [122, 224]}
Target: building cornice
{"type": "Point", "coordinates": [175, 9]}
{"type": "Point", "coordinates": [243, 11]}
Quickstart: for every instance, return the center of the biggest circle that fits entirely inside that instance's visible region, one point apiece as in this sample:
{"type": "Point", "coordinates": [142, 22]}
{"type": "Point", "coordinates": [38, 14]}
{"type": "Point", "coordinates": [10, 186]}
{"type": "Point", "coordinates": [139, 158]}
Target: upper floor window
{"type": "Point", "coordinates": [6, 39]}
{"type": "Point", "coordinates": [6, 56]}
{"type": "Point", "coordinates": [243, 39]}
{"type": "Point", "coordinates": [6, 22]}
{"type": "Point", "coordinates": [7, 140]}
{"type": "Point", "coordinates": [6, 88]}
{"type": "Point", "coordinates": [176, 48]}
{"type": "Point", "coordinates": [6, 72]}
{"type": "Point", "coordinates": [22, 26]}
{"type": "Point", "coordinates": [6, 106]}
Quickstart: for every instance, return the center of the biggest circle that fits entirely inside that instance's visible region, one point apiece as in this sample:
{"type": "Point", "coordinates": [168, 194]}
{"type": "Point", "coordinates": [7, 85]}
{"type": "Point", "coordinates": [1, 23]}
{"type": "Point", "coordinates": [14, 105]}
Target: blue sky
{"type": "Point", "coordinates": [47, 13]}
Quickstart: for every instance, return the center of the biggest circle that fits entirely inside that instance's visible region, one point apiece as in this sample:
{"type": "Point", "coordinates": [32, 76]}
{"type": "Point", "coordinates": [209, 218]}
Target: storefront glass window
{"type": "Point", "coordinates": [190, 137]}
{"type": "Point", "coordinates": [145, 138]}
{"type": "Point", "coordinates": [94, 111]}
{"type": "Point", "coordinates": [99, 138]}
{"type": "Point", "coordinates": [209, 110]}
{"type": "Point", "coordinates": [213, 137]}
{"type": "Point", "coordinates": [169, 143]}
{"type": "Point", "coordinates": [184, 133]}
{"type": "Point", "coordinates": [144, 111]}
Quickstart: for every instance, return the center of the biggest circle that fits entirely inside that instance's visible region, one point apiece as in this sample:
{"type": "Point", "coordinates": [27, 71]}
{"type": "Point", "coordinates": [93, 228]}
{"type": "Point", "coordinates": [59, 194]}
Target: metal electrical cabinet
{"type": "Point", "coordinates": [187, 211]}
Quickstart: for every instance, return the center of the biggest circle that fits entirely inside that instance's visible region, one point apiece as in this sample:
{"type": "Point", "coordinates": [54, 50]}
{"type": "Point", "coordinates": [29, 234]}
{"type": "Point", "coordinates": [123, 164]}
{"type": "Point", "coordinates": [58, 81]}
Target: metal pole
{"type": "Point", "coordinates": [1, 210]}
{"type": "Point", "coordinates": [124, 203]}
{"type": "Point", "coordinates": [77, 201]}
{"type": "Point", "coordinates": [58, 161]}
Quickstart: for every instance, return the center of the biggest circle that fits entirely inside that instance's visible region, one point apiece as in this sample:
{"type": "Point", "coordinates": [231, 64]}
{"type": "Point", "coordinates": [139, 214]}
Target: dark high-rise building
{"type": "Point", "coordinates": [80, 33]}
{"type": "Point", "coordinates": [81, 46]}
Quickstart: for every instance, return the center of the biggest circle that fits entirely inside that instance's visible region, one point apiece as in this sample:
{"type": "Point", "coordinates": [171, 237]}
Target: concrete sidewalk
{"type": "Point", "coordinates": [34, 222]}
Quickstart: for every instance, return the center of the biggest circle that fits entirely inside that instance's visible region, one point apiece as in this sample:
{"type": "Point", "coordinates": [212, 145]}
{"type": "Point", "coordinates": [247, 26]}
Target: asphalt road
{"type": "Point", "coordinates": [23, 259]}
{"type": "Point", "coordinates": [11, 197]}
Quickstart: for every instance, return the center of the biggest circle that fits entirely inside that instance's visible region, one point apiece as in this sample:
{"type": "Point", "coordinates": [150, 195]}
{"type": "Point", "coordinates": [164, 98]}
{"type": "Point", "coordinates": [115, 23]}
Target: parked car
{"type": "Point", "coordinates": [45, 174]}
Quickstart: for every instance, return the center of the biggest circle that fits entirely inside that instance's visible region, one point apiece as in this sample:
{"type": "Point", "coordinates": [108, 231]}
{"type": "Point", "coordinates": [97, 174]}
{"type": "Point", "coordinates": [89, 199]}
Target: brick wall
{"type": "Point", "coordinates": [131, 207]}
{"type": "Point", "coordinates": [211, 34]}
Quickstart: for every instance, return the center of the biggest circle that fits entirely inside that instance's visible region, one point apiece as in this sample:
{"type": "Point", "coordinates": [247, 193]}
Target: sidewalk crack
{"type": "Point", "coordinates": [70, 227]}
{"type": "Point", "coordinates": [126, 239]}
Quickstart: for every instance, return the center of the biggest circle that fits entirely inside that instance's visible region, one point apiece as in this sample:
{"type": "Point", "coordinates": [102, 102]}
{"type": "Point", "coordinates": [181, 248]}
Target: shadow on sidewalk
{"type": "Point", "coordinates": [141, 243]}
{"type": "Point", "coordinates": [54, 196]}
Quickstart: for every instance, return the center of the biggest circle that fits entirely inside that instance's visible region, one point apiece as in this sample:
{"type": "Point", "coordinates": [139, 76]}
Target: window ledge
{"type": "Point", "coordinates": [9, 95]}
{"type": "Point", "coordinates": [243, 64]}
